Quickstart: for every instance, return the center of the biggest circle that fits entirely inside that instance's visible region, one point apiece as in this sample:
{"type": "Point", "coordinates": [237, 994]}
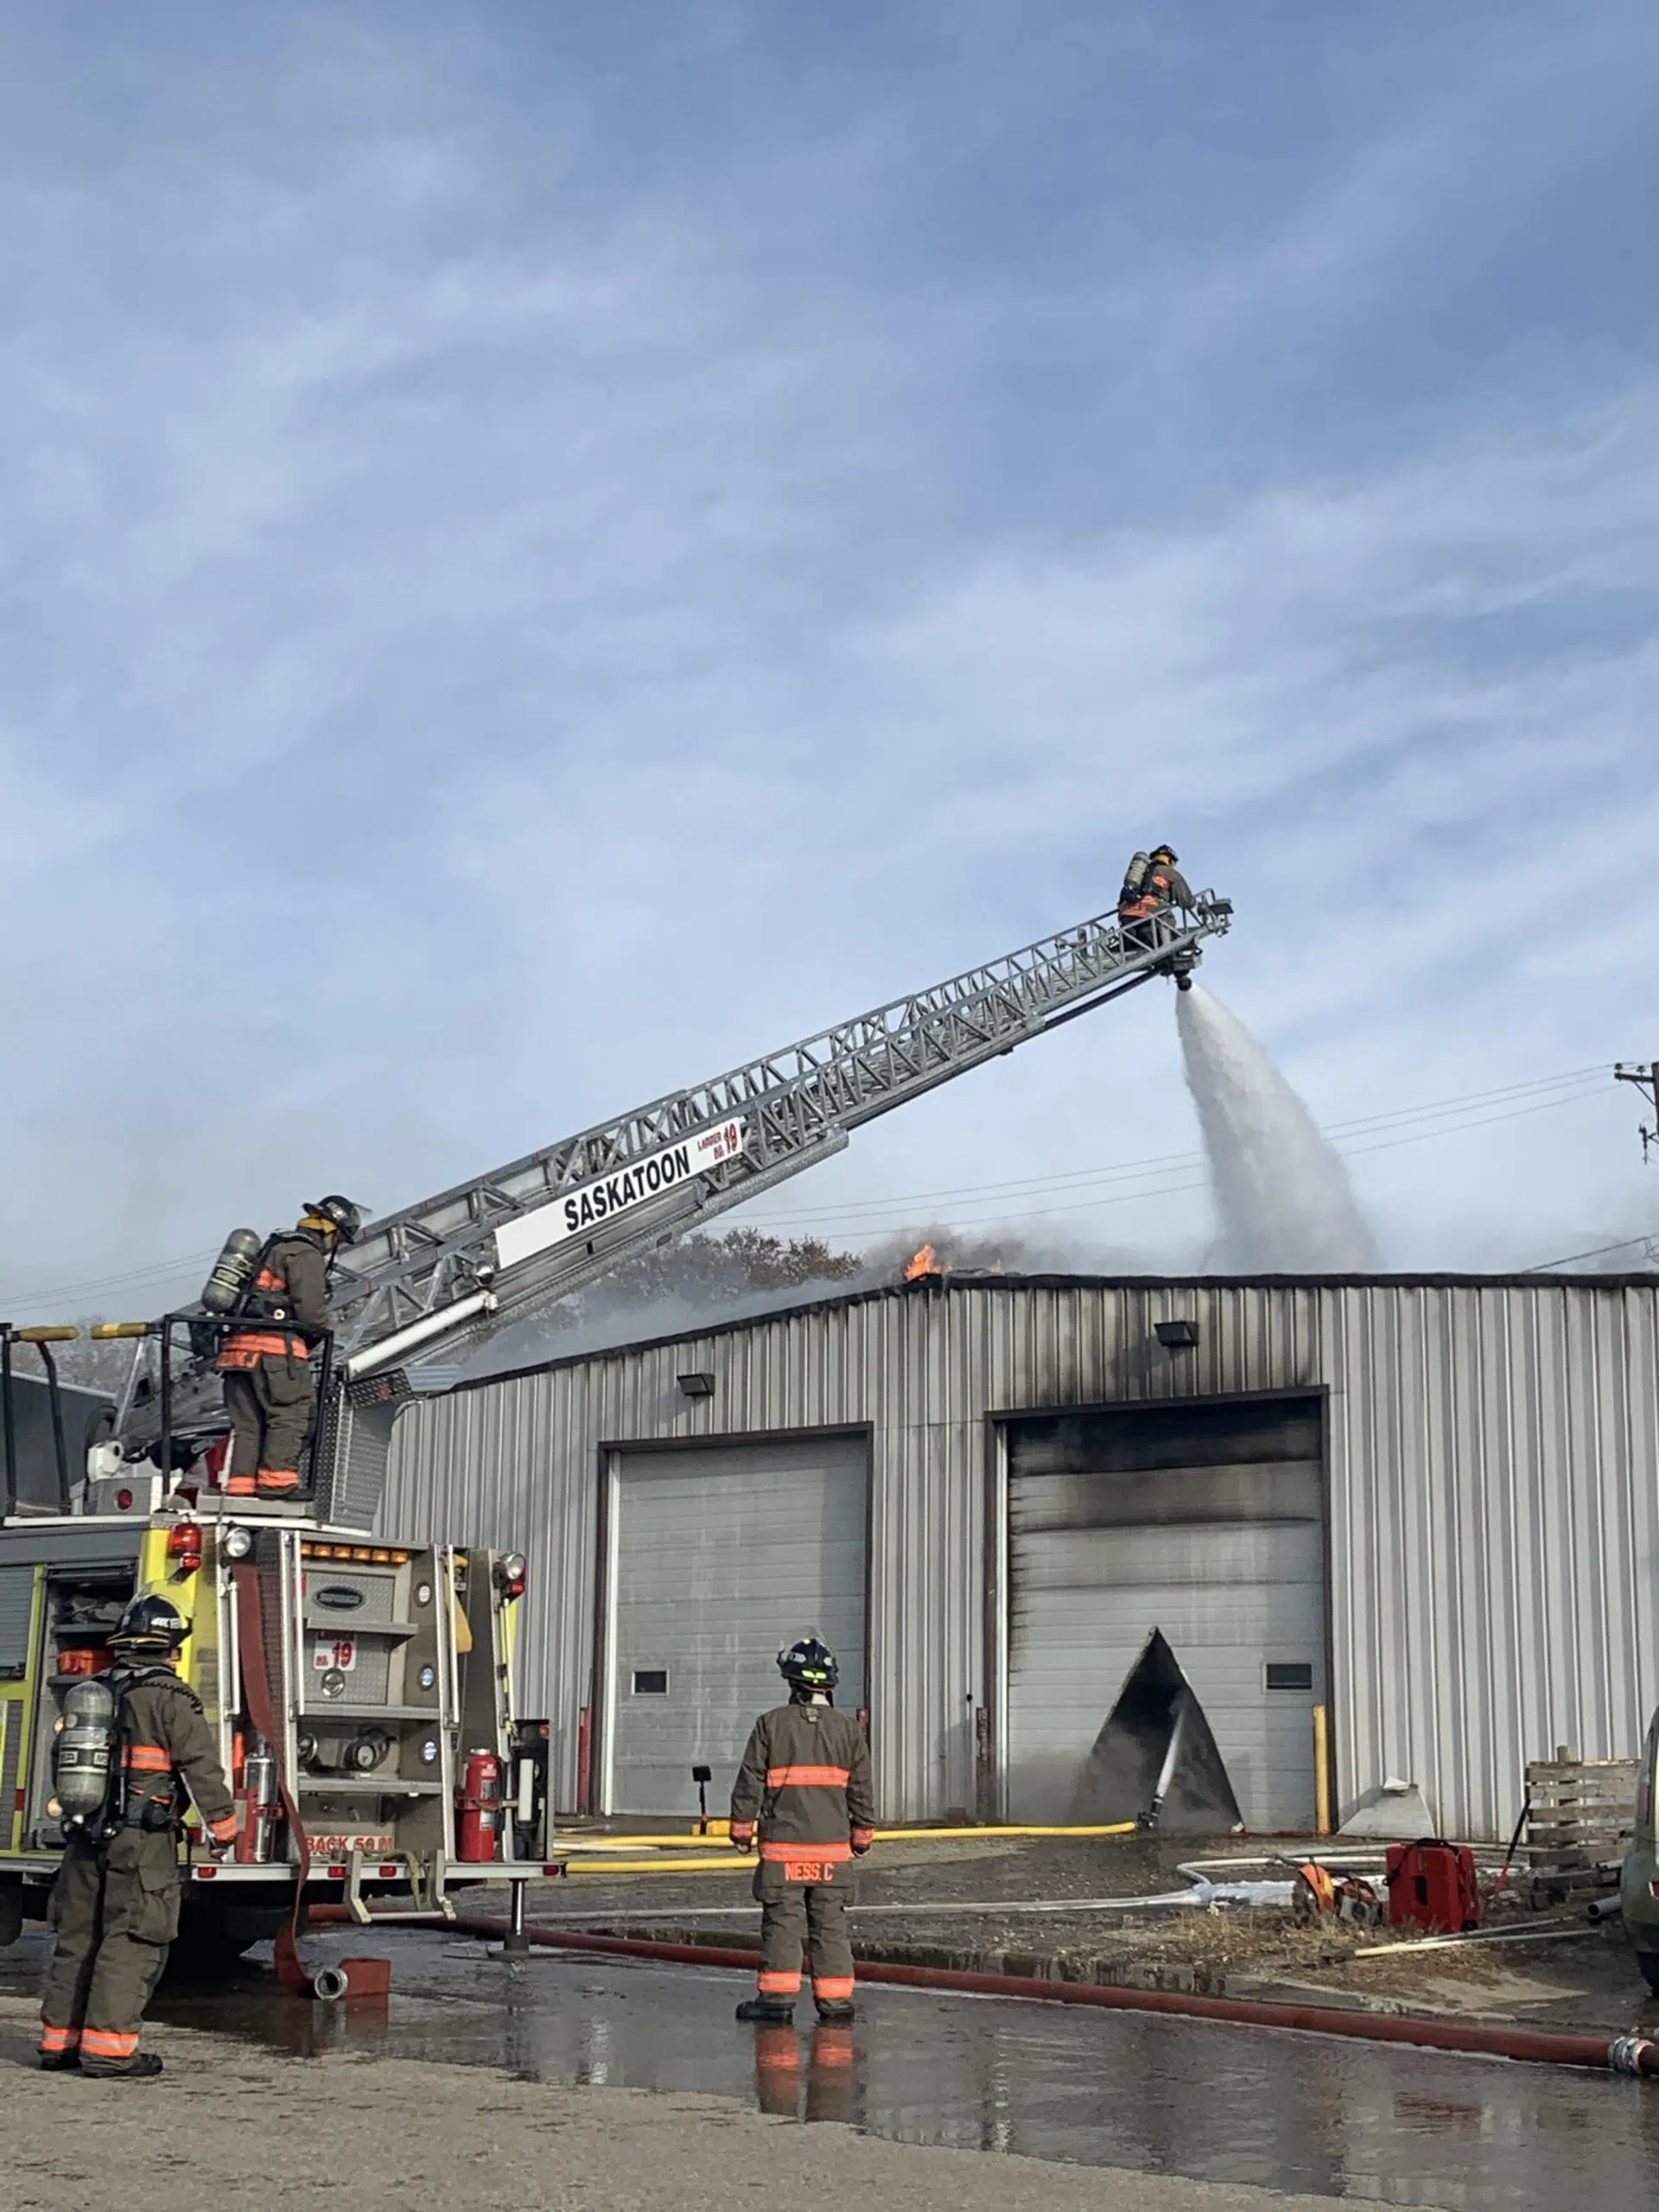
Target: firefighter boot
{"type": "Point", "coordinates": [836, 2012]}
{"type": "Point", "coordinates": [767, 2011]}
{"type": "Point", "coordinates": [59, 2061]}
{"type": "Point", "coordinates": [142, 2066]}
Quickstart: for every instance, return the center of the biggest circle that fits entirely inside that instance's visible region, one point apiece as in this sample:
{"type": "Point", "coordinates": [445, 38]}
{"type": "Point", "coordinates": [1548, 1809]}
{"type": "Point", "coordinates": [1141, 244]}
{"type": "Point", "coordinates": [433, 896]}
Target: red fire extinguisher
{"type": "Point", "coordinates": [479, 1804]}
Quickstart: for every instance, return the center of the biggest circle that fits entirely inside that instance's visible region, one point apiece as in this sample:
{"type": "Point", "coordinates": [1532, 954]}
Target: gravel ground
{"type": "Point", "coordinates": [230, 2124]}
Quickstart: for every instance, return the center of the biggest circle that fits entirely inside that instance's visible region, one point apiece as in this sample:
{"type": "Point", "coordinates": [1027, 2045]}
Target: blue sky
{"type": "Point", "coordinates": [545, 552]}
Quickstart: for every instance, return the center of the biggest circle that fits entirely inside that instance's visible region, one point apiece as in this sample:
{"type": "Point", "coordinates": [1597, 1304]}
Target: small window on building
{"type": "Point", "coordinates": [1290, 1675]}
{"type": "Point", "coordinates": [650, 1681]}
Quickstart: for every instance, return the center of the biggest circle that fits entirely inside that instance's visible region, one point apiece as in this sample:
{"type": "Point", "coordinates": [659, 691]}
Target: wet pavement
{"type": "Point", "coordinates": [1294, 2112]}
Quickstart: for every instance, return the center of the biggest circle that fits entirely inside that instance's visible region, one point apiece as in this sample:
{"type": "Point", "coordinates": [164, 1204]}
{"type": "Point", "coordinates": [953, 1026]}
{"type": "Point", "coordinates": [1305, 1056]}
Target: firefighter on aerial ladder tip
{"type": "Point", "coordinates": [1152, 888]}
{"type": "Point", "coordinates": [266, 1369]}
{"type": "Point", "coordinates": [805, 1785]}
{"type": "Point", "coordinates": [115, 1903]}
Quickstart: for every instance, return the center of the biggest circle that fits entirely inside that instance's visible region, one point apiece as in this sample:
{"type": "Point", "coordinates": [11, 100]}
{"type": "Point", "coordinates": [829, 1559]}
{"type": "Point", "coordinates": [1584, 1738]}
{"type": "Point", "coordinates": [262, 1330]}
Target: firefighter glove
{"type": "Point", "coordinates": [742, 1834]}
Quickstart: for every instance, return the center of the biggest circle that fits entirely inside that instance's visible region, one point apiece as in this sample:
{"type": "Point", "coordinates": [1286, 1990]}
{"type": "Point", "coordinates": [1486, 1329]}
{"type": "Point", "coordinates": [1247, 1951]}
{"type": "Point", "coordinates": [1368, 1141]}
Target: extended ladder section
{"type": "Point", "coordinates": [450, 1271]}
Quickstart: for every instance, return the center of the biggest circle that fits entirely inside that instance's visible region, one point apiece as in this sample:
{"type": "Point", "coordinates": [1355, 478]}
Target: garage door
{"type": "Point", "coordinates": [719, 1557]}
{"type": "Point", "coordinates": [1204, 1522]}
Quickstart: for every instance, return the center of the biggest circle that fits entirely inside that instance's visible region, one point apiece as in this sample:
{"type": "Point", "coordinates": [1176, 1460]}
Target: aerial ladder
{"type": "Point", "coordinates": [440, 1278]}
{"type": "Point", "coordinates": [361, 1686]}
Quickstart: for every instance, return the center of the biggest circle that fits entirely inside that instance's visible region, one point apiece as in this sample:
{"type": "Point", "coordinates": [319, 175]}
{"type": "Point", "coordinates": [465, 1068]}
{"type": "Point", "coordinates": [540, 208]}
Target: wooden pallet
{"type": "Point", "coordinates": [1580, 1822]}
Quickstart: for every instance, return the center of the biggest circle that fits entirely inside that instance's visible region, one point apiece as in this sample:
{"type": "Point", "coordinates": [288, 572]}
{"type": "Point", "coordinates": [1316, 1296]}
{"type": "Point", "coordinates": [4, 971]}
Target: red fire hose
{"type": "Point", "coordinates": [1631, 2054]}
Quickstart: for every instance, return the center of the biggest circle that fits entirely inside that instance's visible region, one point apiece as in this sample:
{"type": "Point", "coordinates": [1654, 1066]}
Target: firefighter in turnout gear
{"type": "Point", "coordinates": [1152, 888]}
{"type": "Point", "coordinates": [115, 1904]}
{"type": "Point", "coordinates": [804, 1783]}
{"type": "Point", "coordinates": [267, 1369]}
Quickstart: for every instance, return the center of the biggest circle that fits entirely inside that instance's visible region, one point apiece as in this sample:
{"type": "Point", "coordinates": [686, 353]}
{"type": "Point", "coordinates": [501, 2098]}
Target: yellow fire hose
{"type": "Point", "coordinates": [689, 1854]}
{"type": "Point", "coordinates": [717, 1830]}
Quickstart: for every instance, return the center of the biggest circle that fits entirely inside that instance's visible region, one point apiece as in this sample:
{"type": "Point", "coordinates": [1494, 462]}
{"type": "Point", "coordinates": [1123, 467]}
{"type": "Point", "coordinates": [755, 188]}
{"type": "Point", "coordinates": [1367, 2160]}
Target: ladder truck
{"type": "Point", "coordinates": [362, 1688]}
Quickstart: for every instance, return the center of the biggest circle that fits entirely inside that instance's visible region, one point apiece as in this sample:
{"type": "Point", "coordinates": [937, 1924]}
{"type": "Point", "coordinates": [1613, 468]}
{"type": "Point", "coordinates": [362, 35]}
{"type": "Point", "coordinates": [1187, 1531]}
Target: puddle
{"type": "Point", "coordinates": [1370, 2123]}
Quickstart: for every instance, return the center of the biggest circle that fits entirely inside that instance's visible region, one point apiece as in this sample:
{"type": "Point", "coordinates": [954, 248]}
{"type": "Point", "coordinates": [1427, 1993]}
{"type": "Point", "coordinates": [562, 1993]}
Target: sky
{"type": "Point", "coordinates": [545, 552]}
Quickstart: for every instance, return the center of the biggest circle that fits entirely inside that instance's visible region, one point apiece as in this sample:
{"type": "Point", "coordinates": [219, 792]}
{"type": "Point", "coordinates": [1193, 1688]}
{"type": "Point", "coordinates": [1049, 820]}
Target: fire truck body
{"type": "Point", "coordinates": [384, 1671]}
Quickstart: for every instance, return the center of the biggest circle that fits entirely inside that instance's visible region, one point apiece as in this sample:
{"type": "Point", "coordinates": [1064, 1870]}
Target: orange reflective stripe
{"type": "Point", "coordinates": [774, 1982]}
{"type": "Point", "coordinates": [247, 1350]}
{"type": "Point", "coordinates": [56, 2039]}
{"type": "Point", "coordinates": [224, 1830]}
{"type": "Point", "coordinates": [807, 1778]}
{"type": "Point", "coordinates": [268, 1278]}
{"type": "Point", "coordinates": [239, 1486]}
{"type": "Point", "coordinates": [104, 2042]}
{"type": "Point", "coordinates": [278, 1479]}
{"type": "Point", "coordinates": [829, 1853]}
{"type": "Point", "coordinates": [148, 1759]}
{"type": "Point", "coordinates": [833, 1988]}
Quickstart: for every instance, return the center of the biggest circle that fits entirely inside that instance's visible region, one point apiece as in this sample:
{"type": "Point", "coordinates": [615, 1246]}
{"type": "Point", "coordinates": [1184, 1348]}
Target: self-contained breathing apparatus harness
{"type": "Point", "coordinates": [91, 1743]}
{"type": "Point", "coordinates": [233, 1291]}
{"type": "Point", "coordinates": [93, 1770]}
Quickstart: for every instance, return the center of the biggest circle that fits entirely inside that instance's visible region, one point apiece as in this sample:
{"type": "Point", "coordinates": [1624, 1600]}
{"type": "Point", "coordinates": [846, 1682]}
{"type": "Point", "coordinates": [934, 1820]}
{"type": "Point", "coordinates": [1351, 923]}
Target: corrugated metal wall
{"type": "Point", "coordinates": [1493, 1465]}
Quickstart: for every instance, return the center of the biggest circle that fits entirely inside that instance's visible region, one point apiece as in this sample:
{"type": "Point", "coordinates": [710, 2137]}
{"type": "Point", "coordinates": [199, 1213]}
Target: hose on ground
{"type": "Point", "coordinates": [1631, 2054]}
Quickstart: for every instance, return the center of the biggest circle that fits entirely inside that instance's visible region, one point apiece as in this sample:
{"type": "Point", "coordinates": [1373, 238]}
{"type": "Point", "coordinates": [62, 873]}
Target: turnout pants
{"type": "Point", "coordinates": [115, 1910]}
{"type": "Point", "coordinates": [797, 1916]}
{"type": "Point", "coordinates": [270, 1406]}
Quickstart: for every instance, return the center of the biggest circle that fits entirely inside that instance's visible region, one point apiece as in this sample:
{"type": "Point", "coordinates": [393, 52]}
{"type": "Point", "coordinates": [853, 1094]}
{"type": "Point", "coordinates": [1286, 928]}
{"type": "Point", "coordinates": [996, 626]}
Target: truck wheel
{"type": "Point", "coordinates": [205, 1950]}
{"type": "Point", "coordinates": [1649, 1962]}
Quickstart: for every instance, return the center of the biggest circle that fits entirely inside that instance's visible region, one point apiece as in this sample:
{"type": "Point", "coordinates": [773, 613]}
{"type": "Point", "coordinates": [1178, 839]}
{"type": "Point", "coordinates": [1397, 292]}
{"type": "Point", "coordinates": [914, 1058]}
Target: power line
{"type": "Point", "coordinates": [164, 1271]}
{"type": "Point", "coordinates": [1596, 1252]}
{"type": "Point", "coordinates": [1155, 1169]}
{"type": "Point", "coordinates": [1166, 1190]}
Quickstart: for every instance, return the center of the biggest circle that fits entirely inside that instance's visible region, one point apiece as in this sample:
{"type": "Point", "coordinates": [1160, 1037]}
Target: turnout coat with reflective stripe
{"type": "Point", "coordinates": [165, 1733]}
{"type": "Point", "coordinates": [805, 1779]}
{"type": "Point", "coordinates": [1163, 885]}
{"type": "Point", "coordinates": [295, 1269]}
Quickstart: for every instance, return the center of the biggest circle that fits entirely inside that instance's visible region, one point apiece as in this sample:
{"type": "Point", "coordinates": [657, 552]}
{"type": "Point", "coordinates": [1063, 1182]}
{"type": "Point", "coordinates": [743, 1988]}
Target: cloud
{"type": "Point", "coordinates": [524, 581]}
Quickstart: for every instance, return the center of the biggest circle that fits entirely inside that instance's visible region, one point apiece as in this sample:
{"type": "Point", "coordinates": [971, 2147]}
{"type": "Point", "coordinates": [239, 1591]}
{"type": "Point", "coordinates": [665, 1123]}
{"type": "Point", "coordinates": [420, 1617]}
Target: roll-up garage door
{"type": "Point", "coordinates": [719, 1556]}
{"type": "Point", "coordinates": [1203, 1521]}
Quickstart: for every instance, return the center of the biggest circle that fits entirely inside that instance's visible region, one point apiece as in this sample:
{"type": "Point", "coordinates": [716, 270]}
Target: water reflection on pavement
{"type": "Point", "coordinates": [1368, 2122]}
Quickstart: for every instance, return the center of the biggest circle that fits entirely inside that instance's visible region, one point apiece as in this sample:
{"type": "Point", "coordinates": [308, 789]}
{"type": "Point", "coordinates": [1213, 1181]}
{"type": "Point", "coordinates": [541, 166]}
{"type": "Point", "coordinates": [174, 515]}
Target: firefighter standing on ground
{"type": "Point", "coordinates": [805, 1783]}
{"type": "Point", "coordinates": [115, 1904]}
{"type": "Point", "coordinates": [267, 1370]}
{"type": "Point", "coordinates": [1153, 886]}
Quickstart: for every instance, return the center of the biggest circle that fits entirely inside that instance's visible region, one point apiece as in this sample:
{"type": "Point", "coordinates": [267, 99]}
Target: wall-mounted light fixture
{"type": "Point", "coordinates": [697, 1386]}
{"type": "Point", "coordinates": [1176, 1335]}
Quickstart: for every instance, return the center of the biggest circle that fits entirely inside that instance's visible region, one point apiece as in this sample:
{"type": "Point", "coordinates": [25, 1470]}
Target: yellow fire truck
{"type": "Point", "coordinates": [361, 1692]}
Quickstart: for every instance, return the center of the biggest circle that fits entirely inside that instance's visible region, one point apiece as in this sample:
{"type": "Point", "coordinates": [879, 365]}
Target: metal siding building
{"type": "Point", "coordinates": [1491, 1470]}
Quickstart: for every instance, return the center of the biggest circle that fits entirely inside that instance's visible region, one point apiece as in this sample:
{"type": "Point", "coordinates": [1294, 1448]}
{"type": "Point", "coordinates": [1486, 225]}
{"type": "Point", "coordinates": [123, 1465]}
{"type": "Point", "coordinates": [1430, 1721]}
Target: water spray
{"type": "Point", "coordinates": [1285, 1203]}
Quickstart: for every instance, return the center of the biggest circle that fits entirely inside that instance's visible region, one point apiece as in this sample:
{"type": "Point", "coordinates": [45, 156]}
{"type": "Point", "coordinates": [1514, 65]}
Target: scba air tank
{"type": "Point", "coordinates": [83, 1754]}
{"type": "Point", "coordinates": [232, 1271]}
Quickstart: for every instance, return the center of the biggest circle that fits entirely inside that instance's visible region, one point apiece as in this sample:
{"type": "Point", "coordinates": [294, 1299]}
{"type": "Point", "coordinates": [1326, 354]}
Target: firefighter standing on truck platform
{"type": "Point", "coordinates": [1152, 888]}
{"type": "Point", "coordinates": [805, 1781]}
{"type": "Point", "coordinates": [267, 1370]}
{"type": "Point", "coordinates": [115, 1904]}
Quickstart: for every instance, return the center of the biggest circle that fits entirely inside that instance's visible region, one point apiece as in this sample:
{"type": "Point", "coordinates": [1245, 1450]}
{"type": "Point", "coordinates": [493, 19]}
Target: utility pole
{"type": "Point", "coordinates": [1645, 1076]}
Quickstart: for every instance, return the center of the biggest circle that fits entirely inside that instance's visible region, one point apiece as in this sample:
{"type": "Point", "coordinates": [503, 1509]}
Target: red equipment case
{"type": "Point", "coordinates": [1431, 1885]}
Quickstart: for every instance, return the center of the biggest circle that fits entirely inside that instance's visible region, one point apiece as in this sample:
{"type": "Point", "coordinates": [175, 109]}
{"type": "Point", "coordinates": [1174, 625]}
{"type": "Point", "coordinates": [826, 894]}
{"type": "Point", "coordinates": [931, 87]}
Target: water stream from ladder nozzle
{"type": "Point", "coordinates": [1285, 1203]}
